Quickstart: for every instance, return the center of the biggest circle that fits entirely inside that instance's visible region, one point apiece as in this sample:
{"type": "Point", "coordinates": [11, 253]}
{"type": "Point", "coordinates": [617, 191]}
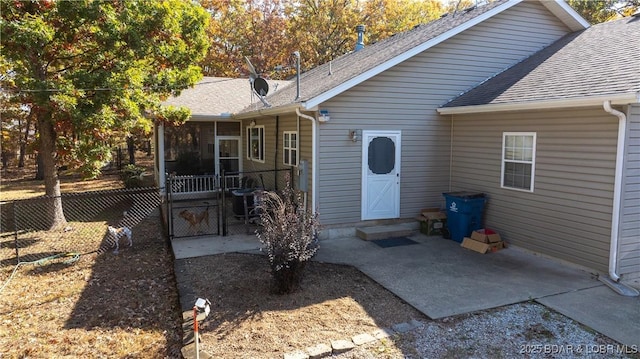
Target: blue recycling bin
{"type": "Point", "coordinates": [464, 213]}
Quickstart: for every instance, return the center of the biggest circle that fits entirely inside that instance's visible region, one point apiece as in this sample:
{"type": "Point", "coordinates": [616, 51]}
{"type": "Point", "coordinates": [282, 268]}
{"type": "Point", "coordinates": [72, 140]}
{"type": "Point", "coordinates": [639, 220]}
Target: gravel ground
{"type": "Point", "coordinates": [526, 330]}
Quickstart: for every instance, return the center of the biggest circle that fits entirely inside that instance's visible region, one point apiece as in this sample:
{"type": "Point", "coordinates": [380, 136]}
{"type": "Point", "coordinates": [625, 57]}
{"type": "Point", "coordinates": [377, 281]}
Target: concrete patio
{"type": "Point", "coordinates": [441, 279]}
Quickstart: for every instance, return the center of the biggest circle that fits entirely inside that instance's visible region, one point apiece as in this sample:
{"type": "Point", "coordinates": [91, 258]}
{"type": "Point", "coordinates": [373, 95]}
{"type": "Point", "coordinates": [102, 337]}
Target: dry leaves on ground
{"type": "Point", "coordinates": [117, 306]}
{"type": "Point", "coordinates": [246, 321]}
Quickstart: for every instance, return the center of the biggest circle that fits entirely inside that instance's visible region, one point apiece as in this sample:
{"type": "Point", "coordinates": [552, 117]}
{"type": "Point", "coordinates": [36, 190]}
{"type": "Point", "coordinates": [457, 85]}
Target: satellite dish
{"type": "Point", "coordinates": [261, 86]}
{"type": "Point", "coordinates": [258, 84]}
{"type": "Point", "coordinates": [252, 70]}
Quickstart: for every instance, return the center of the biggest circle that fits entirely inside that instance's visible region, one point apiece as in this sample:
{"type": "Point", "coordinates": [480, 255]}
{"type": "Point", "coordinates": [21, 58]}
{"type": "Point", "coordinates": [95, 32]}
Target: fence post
{"type": "Point", "coordinates": [15, 230]}
{"type": "Point", "coordinates": [169, 190]}
{"type": "Point", "coordinates": [223, 203]}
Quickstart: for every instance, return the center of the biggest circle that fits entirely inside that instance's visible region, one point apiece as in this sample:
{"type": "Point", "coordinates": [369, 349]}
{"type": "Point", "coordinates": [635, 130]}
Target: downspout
{"type": "Point", "coordinates": [617, 189]}
{"type": "Point", "coordinates": [451, 153]}
{"type": "Point", "coordinates": [314, 157]}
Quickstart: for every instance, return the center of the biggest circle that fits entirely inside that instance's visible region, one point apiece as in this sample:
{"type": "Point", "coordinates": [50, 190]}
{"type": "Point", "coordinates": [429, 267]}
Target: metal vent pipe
{"type": "Point", "coordinates": [360, 42]}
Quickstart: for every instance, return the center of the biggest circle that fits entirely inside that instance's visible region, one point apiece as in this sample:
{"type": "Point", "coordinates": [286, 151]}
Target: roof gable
{"type": "Point", "coordinates": [601, 61]}
{"type": "Point", "coordinates": [330, 79]}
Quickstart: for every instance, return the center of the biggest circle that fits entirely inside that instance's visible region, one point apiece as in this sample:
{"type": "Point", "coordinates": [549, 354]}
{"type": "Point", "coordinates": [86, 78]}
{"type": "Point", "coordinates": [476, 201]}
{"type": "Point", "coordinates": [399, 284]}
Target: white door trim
{"type": "Point", "coordinates": [393, 178]}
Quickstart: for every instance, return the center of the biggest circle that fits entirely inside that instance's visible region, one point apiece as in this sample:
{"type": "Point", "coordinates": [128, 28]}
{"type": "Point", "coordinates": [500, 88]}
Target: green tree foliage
{"type": "Point", "coordinates": [269, 31]}
{"type": "Point", "coordinates": [92, 71]}
{"type": "Point", "coordinates": [604, 10]}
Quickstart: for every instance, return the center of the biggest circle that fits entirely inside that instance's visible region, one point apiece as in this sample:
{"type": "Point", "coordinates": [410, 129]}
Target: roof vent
{"type": "Point", "coordinates": [360, 42]}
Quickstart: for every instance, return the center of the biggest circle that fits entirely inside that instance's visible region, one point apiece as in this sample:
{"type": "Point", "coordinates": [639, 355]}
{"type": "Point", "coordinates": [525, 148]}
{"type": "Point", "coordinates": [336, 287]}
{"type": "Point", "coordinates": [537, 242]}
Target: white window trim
{"type": "Point", "coordinates": [286, 148]}
{"type": "Point", "coordinates": [260, 138]}
{"type": "Point", "coordinates": [532, 162]}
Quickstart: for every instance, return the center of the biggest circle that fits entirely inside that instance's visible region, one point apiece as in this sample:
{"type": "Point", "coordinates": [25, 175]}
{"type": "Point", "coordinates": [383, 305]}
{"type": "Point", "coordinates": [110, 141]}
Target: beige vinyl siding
{"type": "Point", "coordinates": [629, 250]}
{"type": "Point", "coordinates": [568, 215]}
{"type": "Point", "coordinates": [306, 153]}
{"type": "Point", "coordinates": [273, 158]}
{"type": "Point", "coordinates": [405, 98]}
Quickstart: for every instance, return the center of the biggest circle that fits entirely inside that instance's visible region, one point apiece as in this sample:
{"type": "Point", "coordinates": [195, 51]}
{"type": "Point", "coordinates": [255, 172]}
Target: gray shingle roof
{"type": "Point", "coordinates": [344, 68]}
{"type": "Point", "coordinates": [214, 96]}
{"type": "Point", "coordinates": [601, 60]}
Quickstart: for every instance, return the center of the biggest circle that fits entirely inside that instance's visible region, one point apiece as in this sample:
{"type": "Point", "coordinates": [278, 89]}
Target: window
{"type": "Point", "coordinates": [290, 148]}
{"type": "Point", "coordinates": [382, 155]}
{"type": "Point", "coordinates": [518, 160]}
{"type": "Point", "coordinates": [255, 143]}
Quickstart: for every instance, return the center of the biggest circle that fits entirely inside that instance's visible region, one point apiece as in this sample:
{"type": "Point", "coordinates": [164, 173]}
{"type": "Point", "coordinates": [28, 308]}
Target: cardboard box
{"type": "Point", "coordinates": [480, 247]}
{"type": "Point", "coordinates": [430, 210]}
{"type": "Point", "coordinates": [432, 223]}
{"type": "Point", "coordinates": [486, 236]}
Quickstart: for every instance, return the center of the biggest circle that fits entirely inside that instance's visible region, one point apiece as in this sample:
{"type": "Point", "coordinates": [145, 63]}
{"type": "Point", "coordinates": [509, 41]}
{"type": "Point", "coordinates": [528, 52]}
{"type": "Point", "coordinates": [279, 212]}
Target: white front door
{"type": "Point", "coordinates": [380, 174]}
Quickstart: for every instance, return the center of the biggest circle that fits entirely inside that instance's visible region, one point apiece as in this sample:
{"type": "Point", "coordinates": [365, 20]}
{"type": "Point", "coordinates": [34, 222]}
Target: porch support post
{"type": "Point", "coordinates": [160, 173]}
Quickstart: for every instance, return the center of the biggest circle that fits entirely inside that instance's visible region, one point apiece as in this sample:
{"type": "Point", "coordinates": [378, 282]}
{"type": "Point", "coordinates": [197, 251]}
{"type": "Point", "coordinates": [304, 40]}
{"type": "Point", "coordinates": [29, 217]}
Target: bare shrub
{"type": "Point", "coordinates": [289, 236]}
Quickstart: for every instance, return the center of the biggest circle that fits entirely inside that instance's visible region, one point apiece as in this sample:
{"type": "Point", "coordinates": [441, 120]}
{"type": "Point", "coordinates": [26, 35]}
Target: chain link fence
{"type": "Point", "coordinates": [97, 221]}
{"type": "Point", "coordinates": [209, 205]}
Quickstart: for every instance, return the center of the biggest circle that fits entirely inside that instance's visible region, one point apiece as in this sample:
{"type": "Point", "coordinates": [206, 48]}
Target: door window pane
{"type": "Point", "coordinates": [382, 155]}
{"type": "Point", "coordinates": [228, 148]}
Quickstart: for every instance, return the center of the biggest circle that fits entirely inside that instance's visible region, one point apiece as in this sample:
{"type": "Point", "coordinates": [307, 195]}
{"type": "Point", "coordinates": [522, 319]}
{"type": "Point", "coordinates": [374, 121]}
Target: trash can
{"type": "Point", "coordinates": [464, 213]}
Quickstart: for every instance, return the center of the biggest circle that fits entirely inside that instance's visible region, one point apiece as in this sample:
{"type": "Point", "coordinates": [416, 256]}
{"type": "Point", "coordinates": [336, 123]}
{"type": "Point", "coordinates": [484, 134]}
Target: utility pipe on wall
{"type": "Point", "coordinates": [314, 156]}
{"type": "Point", "coordinates": [617, 190]}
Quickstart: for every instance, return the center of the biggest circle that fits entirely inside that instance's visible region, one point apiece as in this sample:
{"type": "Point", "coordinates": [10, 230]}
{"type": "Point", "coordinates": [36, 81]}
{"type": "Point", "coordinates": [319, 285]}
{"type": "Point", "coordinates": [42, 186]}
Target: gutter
{"type": "Point", "coordinates": [273, 111]}
{"type": "Point", "coordinates": [615, 215]}
{"type": "Point", "coordinates": [621, 99]}
{"type": "Point", "coordinates": [314, 157]}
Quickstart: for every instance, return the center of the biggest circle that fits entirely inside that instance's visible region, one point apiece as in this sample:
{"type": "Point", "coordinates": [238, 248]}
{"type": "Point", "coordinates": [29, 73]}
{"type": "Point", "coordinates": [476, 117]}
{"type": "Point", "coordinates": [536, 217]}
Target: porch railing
{"type": "Point", "coordinates": [194, 184]}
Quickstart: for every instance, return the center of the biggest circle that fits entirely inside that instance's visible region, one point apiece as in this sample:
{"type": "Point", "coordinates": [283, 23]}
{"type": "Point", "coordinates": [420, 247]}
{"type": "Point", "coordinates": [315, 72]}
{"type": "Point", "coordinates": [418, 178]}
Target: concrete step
{"type": "Point", "coordinates": [384, 232]}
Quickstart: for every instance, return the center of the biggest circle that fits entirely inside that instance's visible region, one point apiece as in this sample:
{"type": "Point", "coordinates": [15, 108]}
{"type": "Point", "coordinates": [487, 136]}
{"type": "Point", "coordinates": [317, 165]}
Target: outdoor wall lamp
{"type": "Point", "coordinates": [355, 135]}
{"type": "Point", "coordinates": [253, 123]}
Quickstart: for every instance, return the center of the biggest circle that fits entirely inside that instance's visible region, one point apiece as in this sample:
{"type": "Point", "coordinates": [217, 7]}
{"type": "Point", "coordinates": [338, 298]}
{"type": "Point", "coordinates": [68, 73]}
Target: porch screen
{"type": "Point", "coordinates": [382, 152]}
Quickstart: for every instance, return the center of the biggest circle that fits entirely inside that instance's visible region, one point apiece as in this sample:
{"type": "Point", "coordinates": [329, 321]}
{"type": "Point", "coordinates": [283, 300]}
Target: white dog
{"type": "Point", "coordinates": [116, 234]}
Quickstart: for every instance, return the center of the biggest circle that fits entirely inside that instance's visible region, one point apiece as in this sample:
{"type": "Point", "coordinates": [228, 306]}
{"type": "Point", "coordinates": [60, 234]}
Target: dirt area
{"type": "Point", "coordinates": [95, 305]}
{"type": "Point", "coordinates": [246, 321]}
{"type": "Point", "coordinates": [109, 306]}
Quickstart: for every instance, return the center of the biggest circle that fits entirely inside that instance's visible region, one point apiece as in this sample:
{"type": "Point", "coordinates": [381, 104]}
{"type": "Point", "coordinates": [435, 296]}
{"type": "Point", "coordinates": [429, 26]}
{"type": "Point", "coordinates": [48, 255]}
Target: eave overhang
{"type": "Point", "coordinates": [587, 101]}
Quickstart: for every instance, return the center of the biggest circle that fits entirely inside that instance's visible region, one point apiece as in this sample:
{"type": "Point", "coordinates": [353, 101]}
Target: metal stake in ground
{"type": "Point", "coordinates": [195, 331]}
{"type": "Point", "coordinates": [204, 305]}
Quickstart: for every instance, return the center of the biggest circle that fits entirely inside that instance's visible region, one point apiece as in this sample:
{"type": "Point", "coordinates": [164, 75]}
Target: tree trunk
{"type": "Point", "coordinates": [23, 148]}
{"type": "Point", "coordinates": [54, 212]}
{"type": "Point", "coordinates": [39, 168]}
{"type": "Point", "coordinates": [23, 143]}
{"type": "Point", "coordinates": [132, 150]}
